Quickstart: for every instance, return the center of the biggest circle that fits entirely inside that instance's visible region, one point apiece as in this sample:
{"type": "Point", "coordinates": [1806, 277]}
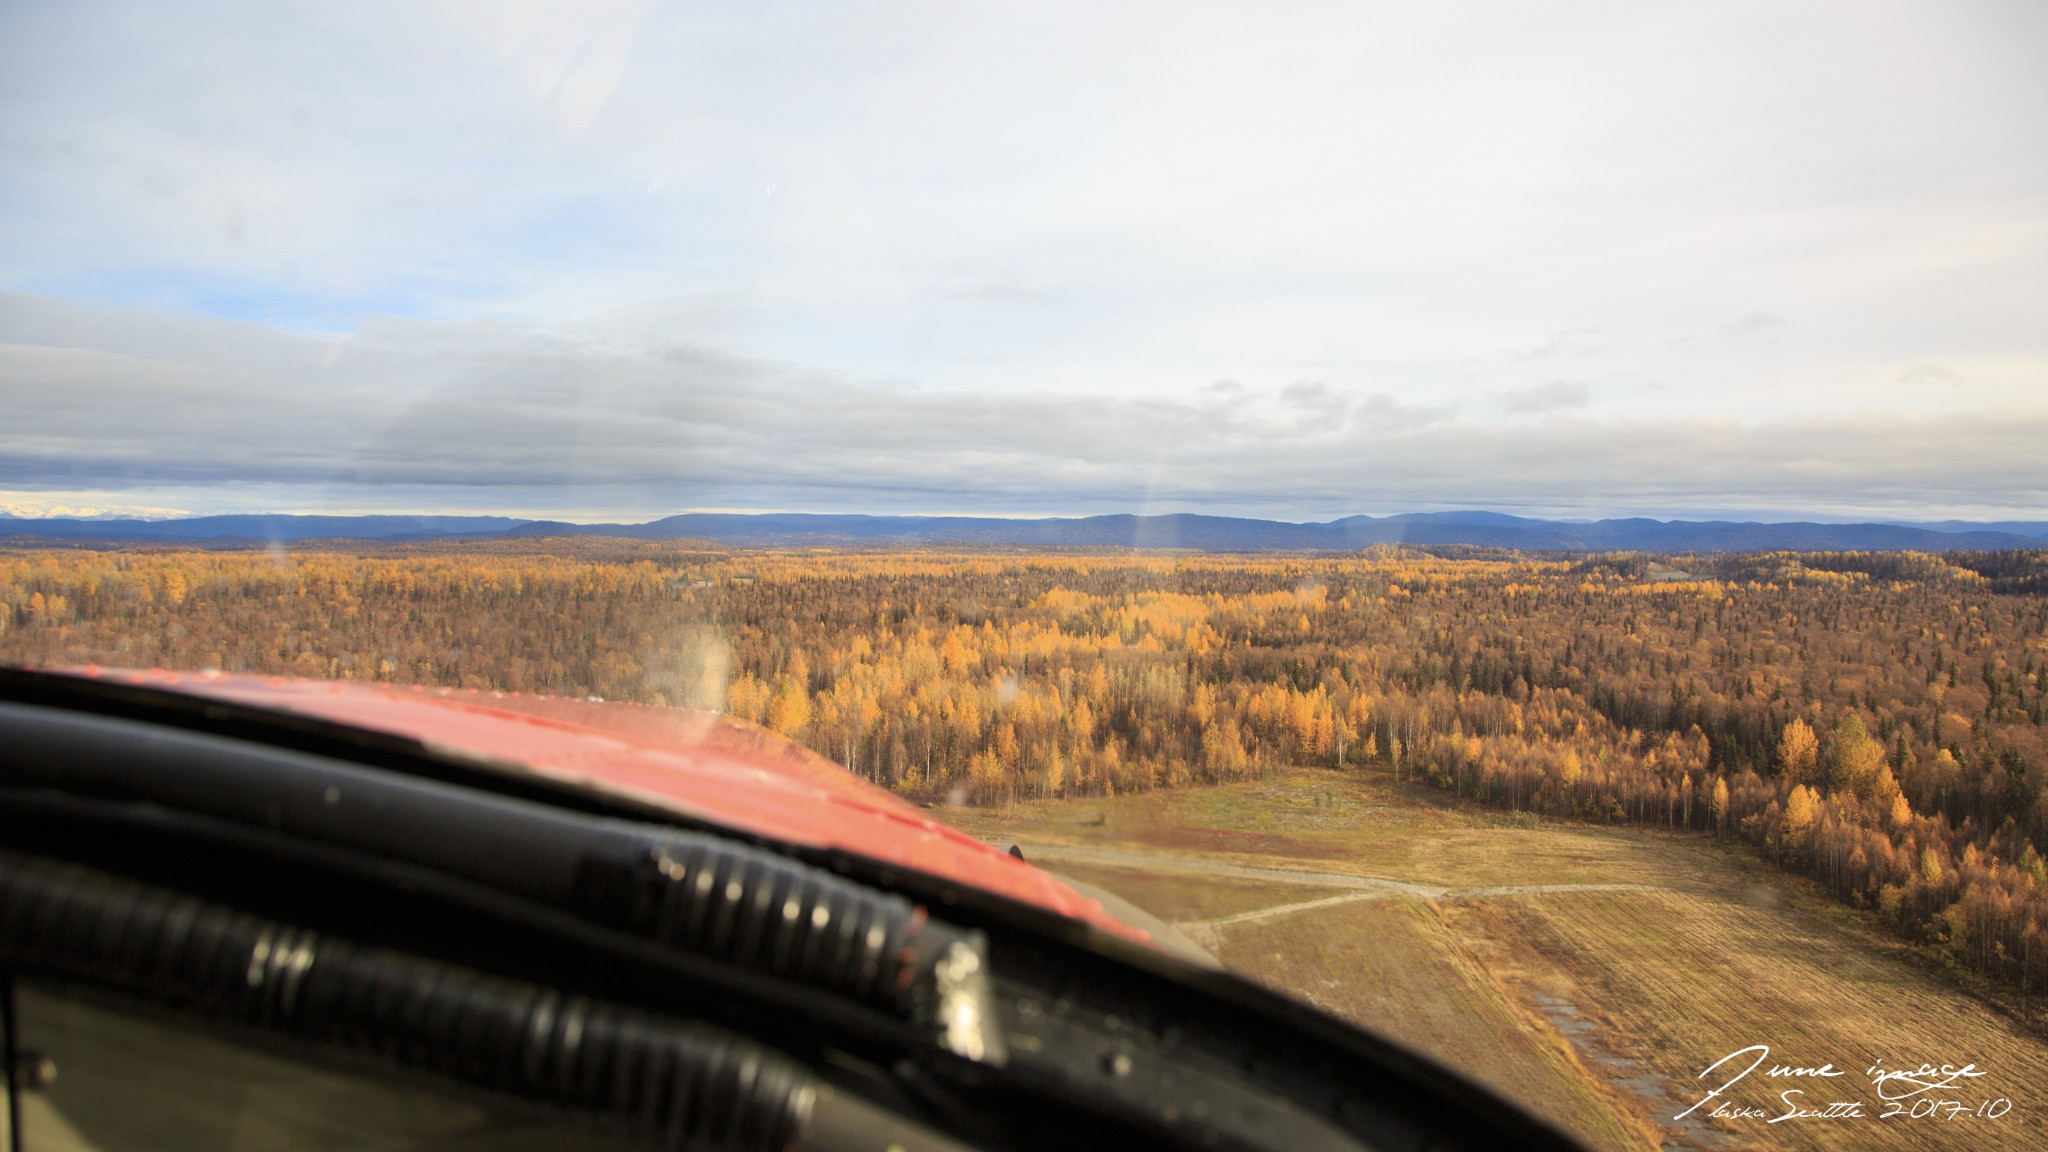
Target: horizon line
{"type": "Point", "coordinates": [62, 514]}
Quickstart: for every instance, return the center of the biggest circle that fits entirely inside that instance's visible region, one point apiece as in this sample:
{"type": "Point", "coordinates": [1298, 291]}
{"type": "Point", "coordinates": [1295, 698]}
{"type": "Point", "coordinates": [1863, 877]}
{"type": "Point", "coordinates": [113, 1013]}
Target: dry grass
{"type": "Point", "coordinates": [1173, 899]}
{"type": "Point", "coordinates": [1392, 966]}
{"type": "Point", "coordinates": [1593, 1006]}
{"type": "Point", "coordinates": [1661, 978]}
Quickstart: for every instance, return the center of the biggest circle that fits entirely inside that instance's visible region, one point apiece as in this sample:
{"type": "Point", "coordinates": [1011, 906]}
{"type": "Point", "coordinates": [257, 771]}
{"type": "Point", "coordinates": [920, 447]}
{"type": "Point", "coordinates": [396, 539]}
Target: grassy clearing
{"type": "Point", "coordinates": [1368, 961]}
{"type": "Point", "coordinates": [1662, 977]}
{"type": "Point", "coordinates": [1593, 1006]}
{"type": "Point", "coordinates": [1173, 899]}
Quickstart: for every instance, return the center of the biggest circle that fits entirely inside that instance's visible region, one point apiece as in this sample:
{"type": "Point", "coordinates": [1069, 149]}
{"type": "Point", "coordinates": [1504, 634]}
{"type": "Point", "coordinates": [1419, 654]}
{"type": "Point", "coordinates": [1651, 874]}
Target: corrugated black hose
{"type": "Point", "coordinates": [766, 912]}
{"type": "Point", "coordinates": [678, 1084]}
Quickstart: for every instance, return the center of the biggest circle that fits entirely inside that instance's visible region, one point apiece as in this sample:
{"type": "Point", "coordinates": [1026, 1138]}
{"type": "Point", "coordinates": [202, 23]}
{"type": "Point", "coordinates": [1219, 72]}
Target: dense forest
{"type": "Point", "coordinates": [1873, 720]}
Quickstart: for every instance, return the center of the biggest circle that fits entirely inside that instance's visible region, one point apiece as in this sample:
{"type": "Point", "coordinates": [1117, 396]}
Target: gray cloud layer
{"type": "Point", "coordinates": [421, 413]}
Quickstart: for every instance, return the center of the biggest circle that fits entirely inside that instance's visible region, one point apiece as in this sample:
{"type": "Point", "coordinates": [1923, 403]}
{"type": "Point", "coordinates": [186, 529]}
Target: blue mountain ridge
{"type": "Point", "coordinates": [1173, 531]}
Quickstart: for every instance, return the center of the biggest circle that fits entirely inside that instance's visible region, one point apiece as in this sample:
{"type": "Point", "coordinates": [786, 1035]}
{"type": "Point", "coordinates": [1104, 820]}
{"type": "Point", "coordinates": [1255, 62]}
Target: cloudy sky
{"type": "Point", "coordinates": [623, 258]}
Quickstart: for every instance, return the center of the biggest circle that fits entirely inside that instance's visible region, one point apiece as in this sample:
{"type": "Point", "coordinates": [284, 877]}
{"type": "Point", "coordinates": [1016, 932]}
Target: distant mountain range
{"type": "Point", "coordinates": [1201, 533]}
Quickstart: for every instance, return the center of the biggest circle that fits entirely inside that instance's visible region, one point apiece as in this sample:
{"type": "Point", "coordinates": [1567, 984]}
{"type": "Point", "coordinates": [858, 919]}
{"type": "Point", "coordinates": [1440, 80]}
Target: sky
{"type": "Point", "coordinates": [616, 259]}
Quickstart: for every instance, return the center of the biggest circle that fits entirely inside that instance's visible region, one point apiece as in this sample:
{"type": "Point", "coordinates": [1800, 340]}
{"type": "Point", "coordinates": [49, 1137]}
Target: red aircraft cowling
{"type": "Point", "coordinates": [698, 764]}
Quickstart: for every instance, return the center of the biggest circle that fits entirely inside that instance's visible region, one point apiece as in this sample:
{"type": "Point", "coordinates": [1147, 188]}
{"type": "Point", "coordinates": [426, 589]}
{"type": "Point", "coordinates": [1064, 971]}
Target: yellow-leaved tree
{"type": "Point", "coordinates": [1853, 757]}
{"type": "Point", "coordinates": [1798, 751]}
{"type": "Point", "coordinates": [1800, 806]}
{"type": "Point", "coordinates": [790, 711]}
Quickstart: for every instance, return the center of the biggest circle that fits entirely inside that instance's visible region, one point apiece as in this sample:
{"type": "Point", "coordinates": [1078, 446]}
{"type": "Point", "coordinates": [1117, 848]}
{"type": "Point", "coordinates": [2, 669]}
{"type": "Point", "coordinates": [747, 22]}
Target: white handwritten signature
{"type": "Point", "coordinates": [1892, 1085]}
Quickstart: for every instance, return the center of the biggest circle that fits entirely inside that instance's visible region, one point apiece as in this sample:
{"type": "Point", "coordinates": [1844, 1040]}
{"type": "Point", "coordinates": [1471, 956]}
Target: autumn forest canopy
{"type": "Point", "coordinates": [1875, 720]}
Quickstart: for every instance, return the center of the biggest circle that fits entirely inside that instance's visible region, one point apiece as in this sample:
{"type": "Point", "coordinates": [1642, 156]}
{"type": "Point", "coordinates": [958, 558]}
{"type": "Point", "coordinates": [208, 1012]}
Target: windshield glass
{"type": "Point", "coordinates": [1523, 529]}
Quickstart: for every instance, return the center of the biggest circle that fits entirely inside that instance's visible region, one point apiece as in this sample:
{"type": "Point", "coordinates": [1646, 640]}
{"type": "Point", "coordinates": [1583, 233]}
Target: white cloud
{"type": "Point", "coordinates": [1932, 376]}
{"type": "Point", "coordinates": [80, 506]}
{"type": "Point", "coordinates": [1550, 396]}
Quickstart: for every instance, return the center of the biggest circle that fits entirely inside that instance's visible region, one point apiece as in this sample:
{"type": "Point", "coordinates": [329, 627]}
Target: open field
{"type": "Point", "coordinates": [1590, 972]}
